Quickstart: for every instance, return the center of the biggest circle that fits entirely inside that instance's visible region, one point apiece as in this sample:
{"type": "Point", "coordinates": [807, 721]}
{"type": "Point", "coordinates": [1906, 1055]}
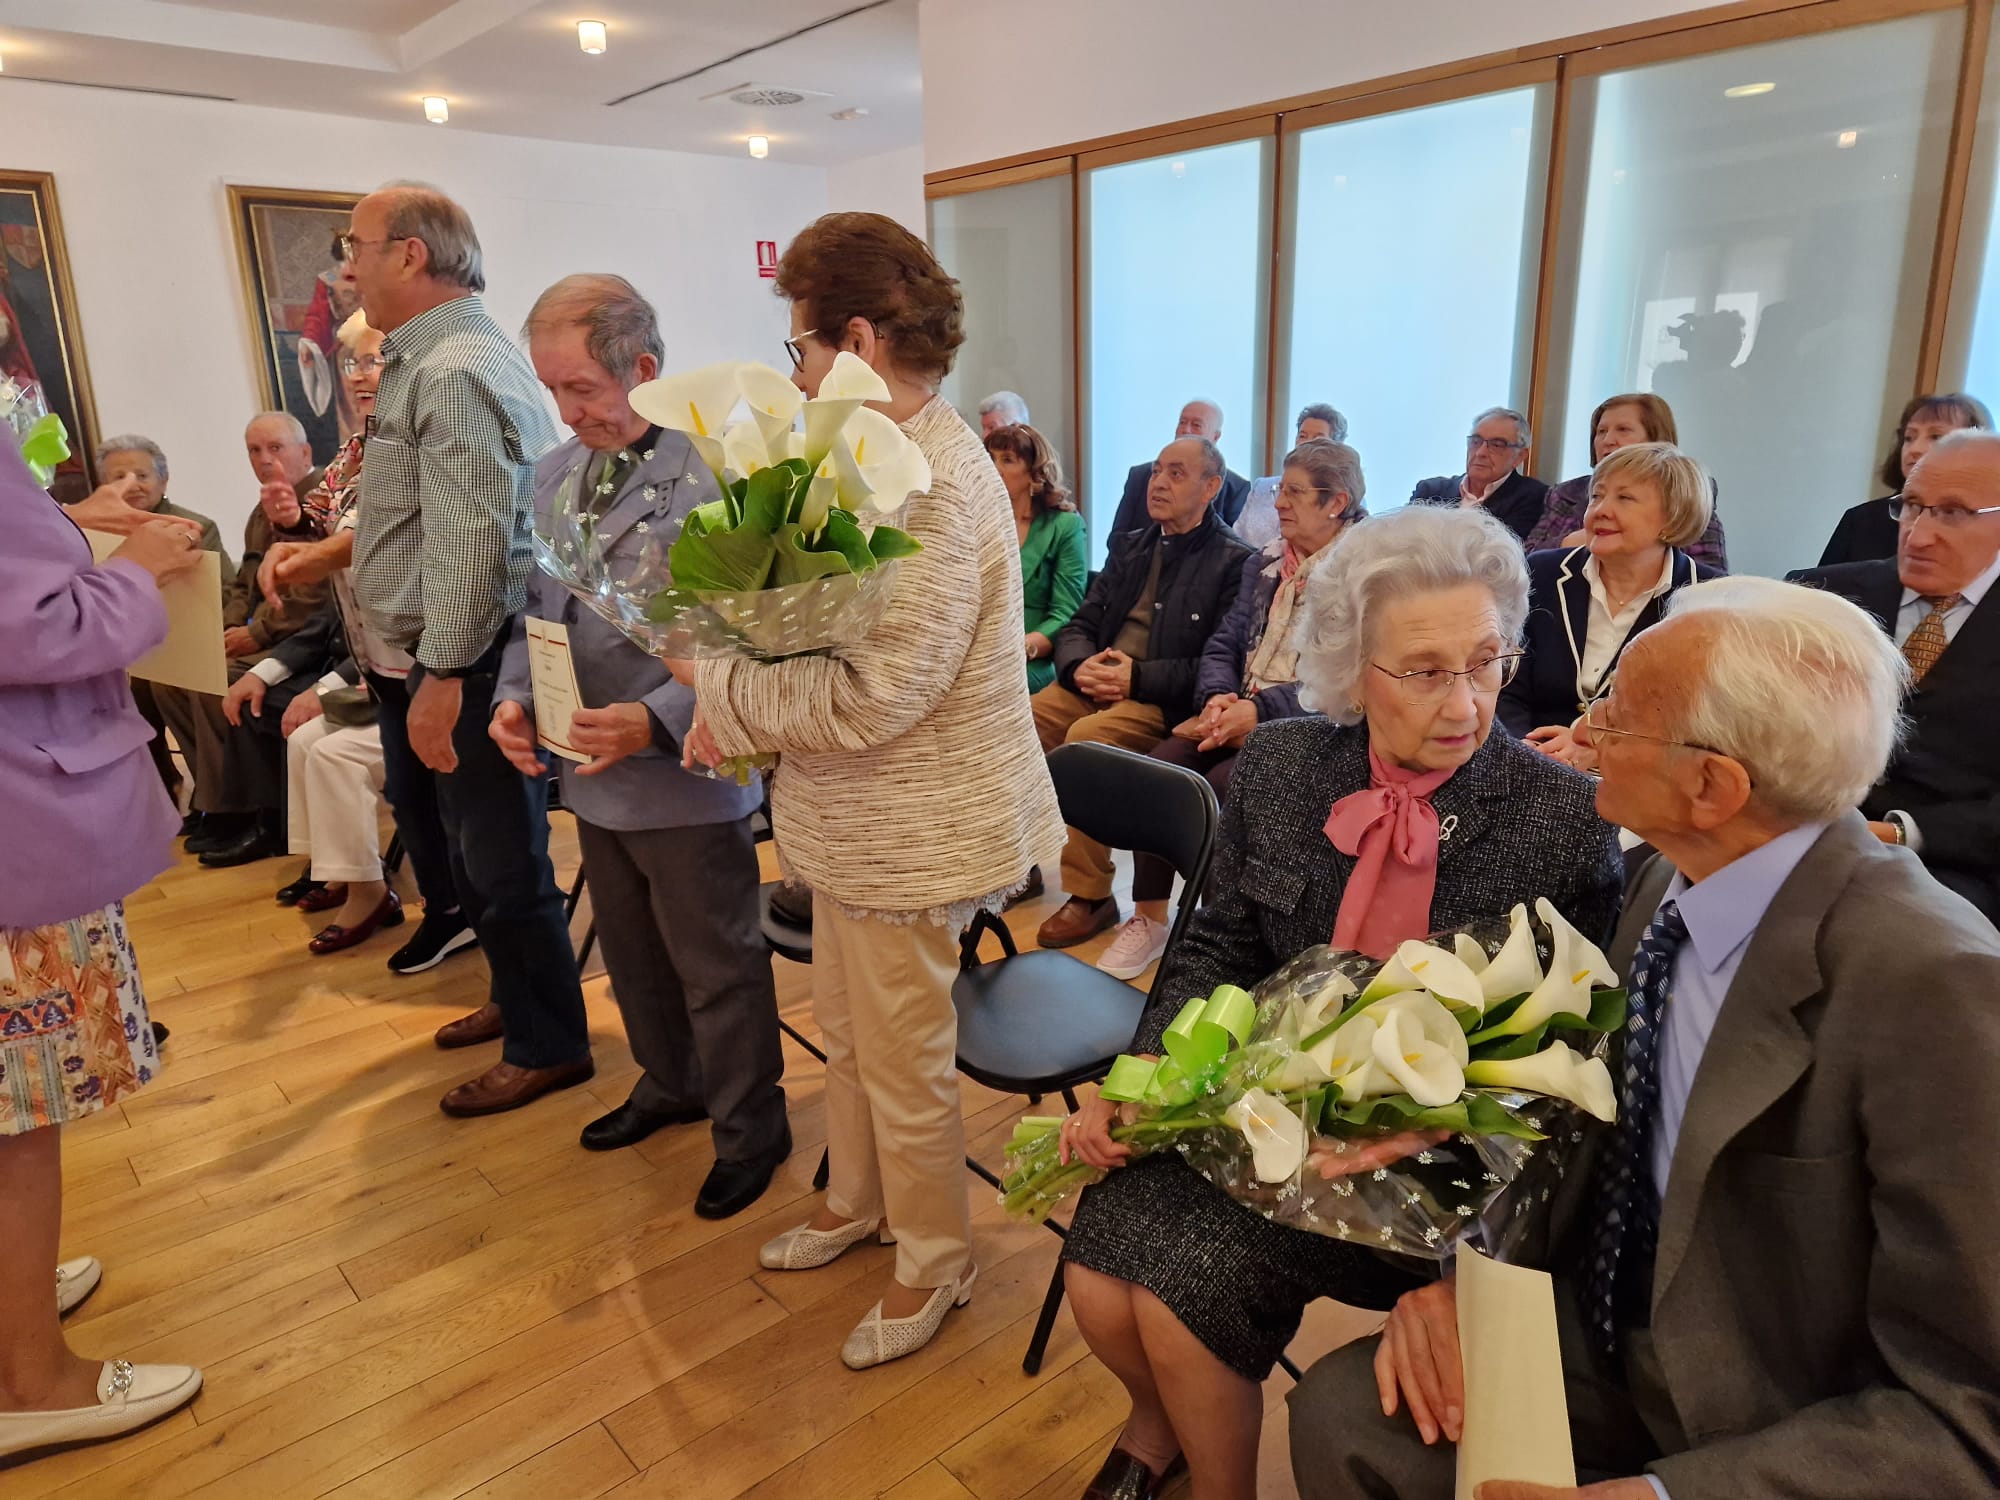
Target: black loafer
{"type": "Point", "coordinates": [263, 839]}
{"type": "Point", "coordinates": [1126, 1477]}
{"type": "Point", "coordinates": [218, 829]}
{"type": "Point", "coordinates": [298, 890]}
{"type": "Point", "coordinates": [733, 1186]}
{"type": "Point", "coordinates": [627, 1125]}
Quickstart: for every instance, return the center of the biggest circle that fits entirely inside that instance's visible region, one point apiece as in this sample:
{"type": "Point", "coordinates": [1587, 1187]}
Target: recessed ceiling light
{"type": "Point", "coordinates": [590, 36]}
{"type": "Point", "coordinates": [1846, 138]}
{"type": "Point", "coordinates": [760, 146]}
{"type": "Point", "coordinates": [437, 109]}
{"type": "Point", "coordinates": [3, 63]}
{"type": "Point", "coordinates": [857, 112]}
{"type": "Point", "coordinates": [1748, 90]}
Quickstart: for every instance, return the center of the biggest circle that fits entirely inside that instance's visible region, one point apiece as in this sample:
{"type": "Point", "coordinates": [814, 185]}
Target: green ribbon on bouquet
{"type": "Point", "coordinates": [1200, 1037]}
{"type": "Point", "coordinates": [44, 447]}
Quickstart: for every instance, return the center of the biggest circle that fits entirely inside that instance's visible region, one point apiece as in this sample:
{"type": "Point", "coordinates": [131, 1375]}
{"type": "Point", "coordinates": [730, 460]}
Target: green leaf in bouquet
{"type": "Point", "coordinates": [1506, 1048]}
{"type": "Point", "coordinates": [1395, 1114]}
{"type": "Point", "coordinates": [728, 562]}
{"type": "Point", "coordinates": [669, 604]}
{"type": "Point", "coordinates": [1607, 1013]}
{"type": "Point", "coordinates": [767, 497]}
{"type": "Point", "coordinates": [886, 542]}
{"type": "Point", "coordinates": [796, 562]}
{"type": "Point", "coordinates": [1487, 1116]}
{"type": "Point", "coordinates": [843, 534]}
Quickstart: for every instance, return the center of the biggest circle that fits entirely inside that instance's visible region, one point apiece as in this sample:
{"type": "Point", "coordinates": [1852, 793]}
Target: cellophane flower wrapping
{"type": "Point", "coordinates": [1242, 1099]}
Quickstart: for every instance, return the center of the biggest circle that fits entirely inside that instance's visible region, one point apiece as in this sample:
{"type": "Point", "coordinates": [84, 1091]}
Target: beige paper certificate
{"type": "Point", "coordinates": [1516, 1415]}
{"type": "Point", "coordinates": [554, 677]}
{"type": "Point", "coordinates": [191, 656]}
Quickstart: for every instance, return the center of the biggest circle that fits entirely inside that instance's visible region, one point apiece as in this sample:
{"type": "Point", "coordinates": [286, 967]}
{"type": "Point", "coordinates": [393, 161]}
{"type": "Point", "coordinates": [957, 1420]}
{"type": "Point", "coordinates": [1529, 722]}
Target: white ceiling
{"type": "Point", "coordinates": [511, 67]}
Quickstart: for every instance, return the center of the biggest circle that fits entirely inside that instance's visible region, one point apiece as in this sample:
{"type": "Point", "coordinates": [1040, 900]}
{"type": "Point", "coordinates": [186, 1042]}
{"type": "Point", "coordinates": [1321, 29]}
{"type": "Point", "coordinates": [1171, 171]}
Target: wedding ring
{"type": "Point", "coordinates": [191, 539]}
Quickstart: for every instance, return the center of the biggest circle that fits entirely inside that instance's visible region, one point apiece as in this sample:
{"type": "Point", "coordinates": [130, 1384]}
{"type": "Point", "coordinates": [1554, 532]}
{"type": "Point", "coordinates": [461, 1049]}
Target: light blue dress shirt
{"type": "Point", "coordinates": [1913, 609]}
{"type": "Point", "coordinates": [1721, 912]}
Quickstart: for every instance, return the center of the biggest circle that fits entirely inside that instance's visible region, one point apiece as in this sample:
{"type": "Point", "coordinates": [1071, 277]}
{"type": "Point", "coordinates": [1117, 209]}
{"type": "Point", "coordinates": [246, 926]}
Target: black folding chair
{"type": "Point", "coordinates": [1043, 1022]}
{"type": "Point", "coordinates": [788, 942]}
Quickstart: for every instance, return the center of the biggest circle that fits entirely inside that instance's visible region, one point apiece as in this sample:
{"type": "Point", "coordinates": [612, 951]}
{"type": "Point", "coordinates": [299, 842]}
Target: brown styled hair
{"type": "Point", "coordinates": [855, 265]}
{"type": "Point", "coordinates": [1333, 468]}
{"type": "Point", "coordinates": [1654, 415]}
{"type": "Point", "coordinates": [1950, 406]}
{"type": "Point", "coordinates": [1044, 468]}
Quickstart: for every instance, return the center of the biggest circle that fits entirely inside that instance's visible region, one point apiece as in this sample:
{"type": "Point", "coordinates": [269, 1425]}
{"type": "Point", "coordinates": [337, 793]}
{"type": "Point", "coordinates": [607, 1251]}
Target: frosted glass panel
{"type": "Point", "coordinates": [1010, 249]}
{"type": "Point", "coordinates": [1971, 359]}
{"type": "Point", "coordinates": [1177, 286]}
{"type": "Point", "coordinates": [1412, 239]}
{"type": "Point", "coordinates": [1760, 261]}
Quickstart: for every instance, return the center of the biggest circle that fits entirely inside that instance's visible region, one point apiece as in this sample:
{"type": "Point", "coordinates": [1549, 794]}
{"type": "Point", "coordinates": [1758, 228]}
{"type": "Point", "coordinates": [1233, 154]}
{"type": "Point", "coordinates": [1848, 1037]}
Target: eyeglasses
{"type": "Point", "coordinates": [1593, 716]}
{"type": "Point", "coordinates": [1908, 512]}
{"type": "Point", "coordinates": [345, 245]}
{"type": "Point", "coordinates": [351, 365]}
{"type": "Point", "coordinates": [1428, 685]}
{"type": "Point", "coordinates": [797, 352]}
{"type": "Point", "coordinates": [1493, 445]}
{"type": "Point", "coordinates": [1297, 492]}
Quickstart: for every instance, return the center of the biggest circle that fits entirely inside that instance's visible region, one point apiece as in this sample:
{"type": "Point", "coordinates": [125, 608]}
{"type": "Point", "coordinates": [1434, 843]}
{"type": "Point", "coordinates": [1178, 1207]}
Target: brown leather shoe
{"type": "Point", "coordinates": [503, 1087]}
{"type": "Point", "coordinates": [1077, 920]}
{"type": "Point", "coordinates": [483, 1025]}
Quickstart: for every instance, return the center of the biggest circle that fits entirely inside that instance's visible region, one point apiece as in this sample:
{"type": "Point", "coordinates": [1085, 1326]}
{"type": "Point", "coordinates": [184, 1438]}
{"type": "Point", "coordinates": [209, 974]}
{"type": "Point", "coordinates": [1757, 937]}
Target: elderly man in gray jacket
{"type": "Point", "coordinates": [1777, 1276]}
{"type": "Point", "coordinates": [673, 868]}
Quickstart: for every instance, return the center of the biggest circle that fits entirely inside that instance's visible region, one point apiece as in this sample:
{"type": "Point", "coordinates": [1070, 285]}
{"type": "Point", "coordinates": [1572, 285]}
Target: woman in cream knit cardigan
{"type": "Point", "coordinates": [911, 789]}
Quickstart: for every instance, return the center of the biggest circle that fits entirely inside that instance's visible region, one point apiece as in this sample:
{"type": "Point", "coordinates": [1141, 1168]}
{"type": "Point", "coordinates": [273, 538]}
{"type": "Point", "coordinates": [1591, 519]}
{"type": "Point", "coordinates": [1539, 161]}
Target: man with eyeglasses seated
{"type": "Point", "coordinates": [1493, 479]}
{"type": "Point", "coordinates": [1941, 796]}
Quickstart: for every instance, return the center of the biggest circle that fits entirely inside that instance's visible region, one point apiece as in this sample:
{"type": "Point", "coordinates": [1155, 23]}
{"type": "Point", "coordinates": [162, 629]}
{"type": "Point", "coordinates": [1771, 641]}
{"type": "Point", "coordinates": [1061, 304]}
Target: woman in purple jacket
{"type": "Point", "coordinates": [87, 824]}
{"type": "Point", "coordinates": [1249, 669]}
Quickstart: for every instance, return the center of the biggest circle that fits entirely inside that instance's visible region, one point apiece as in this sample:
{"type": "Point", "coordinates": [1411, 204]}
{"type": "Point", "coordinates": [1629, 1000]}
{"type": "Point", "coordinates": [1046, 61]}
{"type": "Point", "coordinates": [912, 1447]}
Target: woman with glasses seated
{"type": "Point", "coordinates": [1619, 422]}
{"type": "Point", "coordinates": [1249, 672]}
{"type": "Point", "coordinates": [1647, 502]}
{"type": "Point", "coordinates": [1397, 814]}
{"type": "Point", "coordinates": [1867, 532]}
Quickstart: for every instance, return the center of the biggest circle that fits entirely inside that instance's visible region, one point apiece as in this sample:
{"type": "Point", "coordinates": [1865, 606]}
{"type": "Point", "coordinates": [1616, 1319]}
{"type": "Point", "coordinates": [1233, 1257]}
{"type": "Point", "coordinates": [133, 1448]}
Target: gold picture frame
{"type": "Point", "coordinates": [296, 300]}
{"type": "Point", "coordinates": [42, 338]}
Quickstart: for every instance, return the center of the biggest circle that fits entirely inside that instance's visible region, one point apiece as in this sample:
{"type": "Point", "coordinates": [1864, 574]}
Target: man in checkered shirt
{"type": "Point", "coordinates": [441, 560]}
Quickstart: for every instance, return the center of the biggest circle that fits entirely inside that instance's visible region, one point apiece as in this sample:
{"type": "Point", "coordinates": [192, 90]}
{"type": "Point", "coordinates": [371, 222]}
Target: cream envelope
{"type": "Point", "coordinates": [191, 656]}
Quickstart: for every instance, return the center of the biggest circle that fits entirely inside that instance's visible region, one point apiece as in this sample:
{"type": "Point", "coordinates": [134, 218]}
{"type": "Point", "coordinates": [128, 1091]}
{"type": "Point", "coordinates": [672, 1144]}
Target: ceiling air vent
{"type": "Point", "coordinates": [767, 98]}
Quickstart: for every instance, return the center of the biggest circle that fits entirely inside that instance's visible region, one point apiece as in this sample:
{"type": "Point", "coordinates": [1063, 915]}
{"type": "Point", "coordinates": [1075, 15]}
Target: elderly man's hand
{"type": "Point", "coordinates": [610, 734]}
{"type": "Point", "coordinates": [433, 716]}
{"type": "Point", "coordinates": [514, 732]}
{"type": "Point", "coordinates": [238, 641]}
{"type": "Point", "coordinates": [292, 563]}
{"type": "Point", "coordinates": [1418, 1361]}
{"type": "Point", "coordinates": [246, 691]}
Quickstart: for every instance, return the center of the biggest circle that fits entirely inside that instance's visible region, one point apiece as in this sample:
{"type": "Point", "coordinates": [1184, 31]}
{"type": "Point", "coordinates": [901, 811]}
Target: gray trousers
{"type": "Point", "coordinates": [237, 768]}
{"type": "Point", "coordinates": [1343, 1448]}
{"type": "Point", "coordinates": [676, 910]}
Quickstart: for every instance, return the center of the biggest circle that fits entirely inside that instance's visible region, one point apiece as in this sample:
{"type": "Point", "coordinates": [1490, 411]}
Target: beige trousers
{"type": "Point", "coordinates": [334, 799]}
{"type": "Point", "coordinates": [894, 1132]}
{"type": "Point", "coordinates": [1063, 717]}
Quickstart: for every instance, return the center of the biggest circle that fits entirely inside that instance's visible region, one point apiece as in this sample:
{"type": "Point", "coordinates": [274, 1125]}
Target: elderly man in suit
{"type": "Point", "coordinates": [1775, 1275]}
{"type": "Point", "coordinates": [1199, 419]}
{"type": "Point", "coordinates": [1495, 449]}
{"type": "Point", "coordinates": [673, 867]}
{"type": "Point", "coordinates": [1941, 796]}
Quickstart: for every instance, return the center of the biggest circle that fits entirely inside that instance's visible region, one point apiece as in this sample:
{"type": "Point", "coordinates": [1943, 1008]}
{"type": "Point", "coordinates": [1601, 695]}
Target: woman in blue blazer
{"type": "Point", "coordinates": [1648, 501]}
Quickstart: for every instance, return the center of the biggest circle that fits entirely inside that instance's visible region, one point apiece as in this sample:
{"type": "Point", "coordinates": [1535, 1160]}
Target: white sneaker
{"type": "Point", "coordinates": [75, 1280]}
{"type": "Point", "coordinates": [876, 1340]}
{"type": "Point", "coordinates": [805, 1247]}
{"type": "Point", "coordinates": [129, 1396]}
{"type": "Point", "coordinates": [1138, 946]}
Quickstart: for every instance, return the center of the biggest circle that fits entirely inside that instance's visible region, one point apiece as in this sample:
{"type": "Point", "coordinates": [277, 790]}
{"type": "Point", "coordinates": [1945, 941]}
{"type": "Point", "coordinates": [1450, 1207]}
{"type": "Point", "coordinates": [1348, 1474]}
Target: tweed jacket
{"type": "Point", "coordinates": [1824, 1319]}
{"type": "Point", "coordinates": [1514, 825]}
{"type": "Point", "coordinates": [911, 780]}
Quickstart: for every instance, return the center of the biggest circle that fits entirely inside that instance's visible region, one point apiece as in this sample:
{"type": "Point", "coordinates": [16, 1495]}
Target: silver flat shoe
{"type": "Point", "coordinates": [876, 1340]}
{"type": "Point", "coordinates": [803, 1248]}
{"type": "Point", "coordinates": [76, 1280]}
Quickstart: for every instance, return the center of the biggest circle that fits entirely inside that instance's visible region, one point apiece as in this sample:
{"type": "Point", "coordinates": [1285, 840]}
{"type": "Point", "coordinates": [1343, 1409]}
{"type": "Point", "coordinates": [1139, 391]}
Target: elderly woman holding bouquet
{"type": "Point", "coordinates": [911, 789]}
{"type": "Point", "coordinates": [1398, 814]}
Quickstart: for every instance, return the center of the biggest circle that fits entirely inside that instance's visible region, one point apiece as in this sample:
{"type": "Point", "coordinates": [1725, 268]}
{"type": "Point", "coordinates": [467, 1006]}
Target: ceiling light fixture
{"type": "Point", "coordinates": [1846, 138]}
{"type": "Point", "coordinates": [760, 146]}
{"type": "Point", "coordinates": [1748, 90]}
{"type": "Point", "coordinates": [590, 36]}
{"type": "Point", "coordinates": [437, 108]}
{"type": "Point", "coordinates": [3, 62]}
{"type": "Point", "coordinates": [857, 112]}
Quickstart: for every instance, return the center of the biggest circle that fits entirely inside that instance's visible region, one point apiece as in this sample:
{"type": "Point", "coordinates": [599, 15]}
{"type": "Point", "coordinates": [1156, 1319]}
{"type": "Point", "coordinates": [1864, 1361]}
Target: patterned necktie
{"type": "Point", "coordinates": [611, 477]}
{"type": "Point", "coordinates": [1927, 642]}
{"type": "Point", "coordinates": [1626, 1196]}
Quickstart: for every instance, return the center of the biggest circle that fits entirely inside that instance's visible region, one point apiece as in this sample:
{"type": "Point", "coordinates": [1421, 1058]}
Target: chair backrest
{"type": "Point", "coordinates": [1130, 801]}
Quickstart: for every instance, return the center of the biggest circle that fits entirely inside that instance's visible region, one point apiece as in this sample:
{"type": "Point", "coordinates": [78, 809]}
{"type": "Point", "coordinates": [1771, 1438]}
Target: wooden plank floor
{"type": "Point", "coordinates": [391, 1303]}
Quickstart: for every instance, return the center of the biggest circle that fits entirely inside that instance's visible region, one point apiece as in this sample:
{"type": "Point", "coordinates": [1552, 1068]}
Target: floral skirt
{"type": "Point", "coordinates": [74, 1036]}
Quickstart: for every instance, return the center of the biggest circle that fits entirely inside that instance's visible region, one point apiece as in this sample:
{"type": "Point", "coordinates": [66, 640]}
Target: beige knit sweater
{"type": "Point", "coordinates": [911, 779]}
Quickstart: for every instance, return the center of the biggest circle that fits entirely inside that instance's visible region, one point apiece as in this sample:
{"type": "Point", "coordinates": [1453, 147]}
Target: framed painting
{"type": "Point", "coordinates": [297, 301]}
{"type": "Point", "coordinates": [39, 337]}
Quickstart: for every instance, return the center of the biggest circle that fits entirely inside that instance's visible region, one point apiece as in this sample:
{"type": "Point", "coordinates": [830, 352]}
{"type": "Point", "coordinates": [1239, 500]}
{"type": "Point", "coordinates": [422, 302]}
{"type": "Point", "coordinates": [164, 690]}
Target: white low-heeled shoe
{"type": "Point", "coordinates": [76, 1280]}
{"type": "Point", "coordinates": [876, 1340]}
{"type": "Point", "coordinates": [129, 1397]}
{"type": "Point", "coordinates": [805, 1247]}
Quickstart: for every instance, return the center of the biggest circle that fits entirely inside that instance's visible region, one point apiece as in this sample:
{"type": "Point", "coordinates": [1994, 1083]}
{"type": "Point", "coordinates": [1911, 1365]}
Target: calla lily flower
{"type": "Point", "coordinates": [852, 378]}
{"type": "Point", "coordinates": [743, 450]}
{"type": "Point", "coordinates": [697, 403]}
{"type": "Point", "coordinates": [1515, 970]}
{"type": "Point", "coordinates": [1327, 1002]}
{"type": "Point", "coordinates": [1425, 966]}
{"type": "Point", "coordinates": [1574, 969]}
{"type": "Point", "coordinates": [1556, 1071]}
{"type": "Point", "coordinates": [1349, 1048]}
{"type": "Point", "coordinates": [1418, 1044]}
{"type": "Point", "coordinates": [1277, 1135]}
{"type": "Point", "coordinates": [774, 401]}
{"type": "Point", "coordinates": [876, 464]}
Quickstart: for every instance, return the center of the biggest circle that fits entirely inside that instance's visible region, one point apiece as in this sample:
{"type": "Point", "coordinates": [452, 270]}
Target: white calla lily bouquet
{"type": "Point", "coordinates": [1468, 1037]}
{"type": "Point", "coordinates": [794, 558]}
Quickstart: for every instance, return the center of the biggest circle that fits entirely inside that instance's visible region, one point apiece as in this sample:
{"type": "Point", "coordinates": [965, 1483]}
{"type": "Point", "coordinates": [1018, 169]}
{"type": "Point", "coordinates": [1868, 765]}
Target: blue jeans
{"type": "Point", "coordinates": [496, 833]}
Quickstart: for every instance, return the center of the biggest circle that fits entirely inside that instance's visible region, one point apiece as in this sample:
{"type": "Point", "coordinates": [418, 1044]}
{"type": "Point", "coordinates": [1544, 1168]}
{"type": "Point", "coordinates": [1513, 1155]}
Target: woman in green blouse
{"type": "Point", "coordinates": [1053, 567]}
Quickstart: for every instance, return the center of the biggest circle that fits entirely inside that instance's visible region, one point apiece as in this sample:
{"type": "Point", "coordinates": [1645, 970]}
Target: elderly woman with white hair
{"type": "Point", "coordinates": [1399, 813]}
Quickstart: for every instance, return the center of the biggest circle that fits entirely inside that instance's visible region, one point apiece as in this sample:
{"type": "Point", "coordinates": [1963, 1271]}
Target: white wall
{"type": "Point", "coordinates": [892, 184]}
{"type": "Point", "coordinates": [142, 186]}
{"type": "Point", "coordinates": [1099, 67]}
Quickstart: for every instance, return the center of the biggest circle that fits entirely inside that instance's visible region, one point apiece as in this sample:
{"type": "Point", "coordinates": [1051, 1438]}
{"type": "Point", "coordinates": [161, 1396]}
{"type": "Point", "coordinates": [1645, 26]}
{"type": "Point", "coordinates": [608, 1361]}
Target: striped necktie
{"type": "Point", "coordinates": [1927, 642]}
{"type": "Point", "coordinates": [1626, 1198]}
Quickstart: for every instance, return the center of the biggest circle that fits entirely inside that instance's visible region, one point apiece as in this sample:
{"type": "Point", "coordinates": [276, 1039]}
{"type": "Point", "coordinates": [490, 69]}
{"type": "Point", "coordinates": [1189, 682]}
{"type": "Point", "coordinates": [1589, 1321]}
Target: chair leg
{"type": "Point", "coordinates": [819, 1177]}
{"type": "Point", "coordinates": [589, 942]}
{"type": "Point", "coordinates": [575, 895]}
{"type": "Point", "coordinates": [1285, 1363]}
{"type": "Point", "coordinates": [793, 1032]}
{"type": "Point", "coordinates": [1045, 1324]}
{"type": "Point", "coordinates": [1069, 1098]}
